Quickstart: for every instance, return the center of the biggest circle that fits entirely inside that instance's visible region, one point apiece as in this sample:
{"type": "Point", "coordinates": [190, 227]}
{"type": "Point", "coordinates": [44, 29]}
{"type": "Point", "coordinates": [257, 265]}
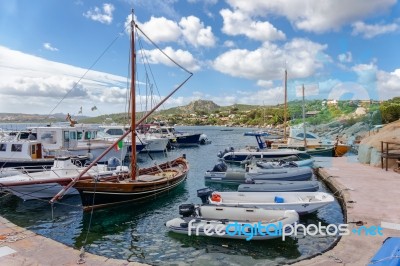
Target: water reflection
{"type": "Point", "coordinates": [136, 232]}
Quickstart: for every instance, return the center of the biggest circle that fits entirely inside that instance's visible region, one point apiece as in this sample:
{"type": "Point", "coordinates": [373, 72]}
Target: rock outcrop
{"type": "Point", "coordinates": [369, 151]}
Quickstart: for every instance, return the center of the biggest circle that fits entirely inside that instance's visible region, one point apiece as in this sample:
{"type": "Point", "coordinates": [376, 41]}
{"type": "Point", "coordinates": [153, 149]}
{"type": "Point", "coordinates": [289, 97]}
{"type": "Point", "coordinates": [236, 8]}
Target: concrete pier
{"type": "Point", "coordinates": [19, 246]}
{"type": "Point", "coordinates": [370, 196]}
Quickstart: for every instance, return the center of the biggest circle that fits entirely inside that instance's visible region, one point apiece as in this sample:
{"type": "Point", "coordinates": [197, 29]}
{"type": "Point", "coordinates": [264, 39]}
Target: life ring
{"type": "Point", "coordinates": [216, 197]}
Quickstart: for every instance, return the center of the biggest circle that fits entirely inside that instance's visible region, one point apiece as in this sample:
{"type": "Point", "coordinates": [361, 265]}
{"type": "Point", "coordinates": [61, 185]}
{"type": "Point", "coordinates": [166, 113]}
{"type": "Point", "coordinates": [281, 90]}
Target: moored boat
{"type": "Point", "coordinates": [233, 155]}
{"type": "Point", "coordinates": [140, 184]}
{"type": "Point", "coordinates": [29, 155]}
{"type": "Point", "coordinates": [280, 186]}
{"type": "Point", "coordinates": [46, 183]}
{"type": "Point", "coordinates": [232, 222]}
{"type": "Point", "coordinates": [302, 202]}
{"type": "Point", "coordinates": [284, 163]}
{"type": "Point", "coordinates": [241, 177]}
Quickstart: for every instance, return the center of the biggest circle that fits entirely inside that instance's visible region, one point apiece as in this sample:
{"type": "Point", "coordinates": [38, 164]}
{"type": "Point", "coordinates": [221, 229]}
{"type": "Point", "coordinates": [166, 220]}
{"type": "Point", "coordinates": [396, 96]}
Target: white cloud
{"type": "Point", "coordinates": [102, 15]}
{"type": "Point", "coordinates": [190, 28]}
{"type": "Point", "coordinates": [388, 84]}
{"type": "Point", "coordinates": [41, 84]}
{"type": "Point", "coordinates": [194, 32]}
{"type": "Point", "coordinates": [370, 31]}
{"type": "Point", "coordinates": [49, 47]}
{"type": "Point", "coordinates": [300, 57]}
{"type": "Point", "coordinates": [356, 90]}
{"type": "Point", "coordinates": [315, 15]}
{"type": "Point", "coordinates": [229, 44]}
{"type": "Point", "coordinates": [265, 83]}
{"type": "Point", "coordinates": [346, 57]}
{"type": "Point", "coordinates": [238, 23]}
{"type": "Point", "coordinates": [160, 29]}
{"type": "Point", "coordinates": [182, 57]}
{"type": "Point", "coordinates": [271, 96]}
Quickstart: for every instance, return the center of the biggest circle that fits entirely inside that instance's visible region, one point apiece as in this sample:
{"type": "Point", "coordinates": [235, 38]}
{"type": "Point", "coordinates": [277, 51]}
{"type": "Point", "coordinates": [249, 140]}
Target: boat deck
{"type": "Point", "coordinates": [370, 197]}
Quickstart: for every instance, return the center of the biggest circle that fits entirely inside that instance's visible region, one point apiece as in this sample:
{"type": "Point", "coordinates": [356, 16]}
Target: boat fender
{"type": "Point", "coordinates": [279, 199]}
{"type": "Point", "coordinates": [216, 197]}
{"type": "Point", "coordinates": [249, 181]}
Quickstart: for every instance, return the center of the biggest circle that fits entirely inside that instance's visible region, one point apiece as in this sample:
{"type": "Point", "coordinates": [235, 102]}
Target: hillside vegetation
{"type": "Point", "coordinates": [203, 112]}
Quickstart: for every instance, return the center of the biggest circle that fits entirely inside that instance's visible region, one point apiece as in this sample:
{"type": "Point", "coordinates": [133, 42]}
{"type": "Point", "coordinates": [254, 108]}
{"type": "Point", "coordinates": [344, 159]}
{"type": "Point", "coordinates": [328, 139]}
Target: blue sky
{"type": "Point", "coordinates": [238, 51]}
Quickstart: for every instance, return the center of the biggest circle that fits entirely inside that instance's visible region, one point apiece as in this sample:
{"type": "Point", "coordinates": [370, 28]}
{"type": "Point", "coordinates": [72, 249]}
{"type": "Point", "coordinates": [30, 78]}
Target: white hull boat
{"type": "Point", "coordinates": [237, 177]}
{"type": "Point", "coordinates": [285, 164]}
{"type": "Point", "coordinates": [302, 202]}
{"type": "Point", "coordinates": [45, 184]}
{"type": "Point", "coordinates": [280, 186]}
{"type": "Point", "coordinates": [155, 144]}
{"type": "Point", "coordinates": [232, 222]}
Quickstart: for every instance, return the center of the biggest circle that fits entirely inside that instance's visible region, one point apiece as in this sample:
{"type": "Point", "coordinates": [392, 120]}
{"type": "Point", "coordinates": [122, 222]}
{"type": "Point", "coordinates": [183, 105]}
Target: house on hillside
{"type": "Point", "coordinates": [332, 103]}
{"type": "Point", "coordinates": [312, 113]}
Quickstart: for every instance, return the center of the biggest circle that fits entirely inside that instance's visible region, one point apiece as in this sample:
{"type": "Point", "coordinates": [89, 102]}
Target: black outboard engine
{"type": "Point", "coordinates": [204, 193]}
{"type": "Point", "coordinates": [220, 167]}
{"type": "Point", "coordinates": [187, 210]}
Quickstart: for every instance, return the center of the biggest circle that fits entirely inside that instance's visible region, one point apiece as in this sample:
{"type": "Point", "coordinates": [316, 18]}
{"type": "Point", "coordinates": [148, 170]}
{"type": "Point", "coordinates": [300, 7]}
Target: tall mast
{"type": "Point", "coordinates": [304, 120]}
{"type": "Point", "coordinates": [133, 101]}
{"type": "Point", "coordinates": [285, 110]}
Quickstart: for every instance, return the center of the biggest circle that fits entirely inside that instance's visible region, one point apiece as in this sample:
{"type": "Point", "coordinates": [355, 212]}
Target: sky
{"type": "Point", "coordinates": [72, 56]}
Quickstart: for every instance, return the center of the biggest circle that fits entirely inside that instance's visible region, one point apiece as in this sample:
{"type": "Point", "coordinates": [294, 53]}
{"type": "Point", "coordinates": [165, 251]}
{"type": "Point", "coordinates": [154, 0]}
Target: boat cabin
{"type": "Point", "coordinates": [114, 131]}
{"type": "Point", "coordinates": [58, 138]}
{"type": "Point", "coordinates": [17, 149]}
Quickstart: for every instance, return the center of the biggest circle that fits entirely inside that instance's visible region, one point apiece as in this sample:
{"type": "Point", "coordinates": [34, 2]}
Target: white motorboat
{"type": "Point", "coordinates": [302, 202]}
{"type": "Point", "coordinates": [153, 143]}
{"type": "Point", "coordinates": [280, 186]}
{"type": "Point", "coordinates": [28, 155]}
{"type": "Point", "coordinates": [232, 222]}
{"type": "Point", "coordinates": [79, 139]}
{"type": "Point", "coordinates": [233, 155]}
{"type": "Point", "coordinates": [45, 184]}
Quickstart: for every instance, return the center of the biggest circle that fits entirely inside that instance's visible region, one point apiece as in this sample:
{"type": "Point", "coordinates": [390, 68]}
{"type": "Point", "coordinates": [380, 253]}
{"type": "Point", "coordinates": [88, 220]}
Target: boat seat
{"type": "Point", "coordinates": [149, 178]}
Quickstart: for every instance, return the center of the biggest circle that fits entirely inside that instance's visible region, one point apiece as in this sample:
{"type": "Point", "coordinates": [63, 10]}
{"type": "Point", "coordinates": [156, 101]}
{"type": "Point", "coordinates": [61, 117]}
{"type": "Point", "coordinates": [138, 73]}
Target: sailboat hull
{"type": "Point", "coordinates": [150, 183]}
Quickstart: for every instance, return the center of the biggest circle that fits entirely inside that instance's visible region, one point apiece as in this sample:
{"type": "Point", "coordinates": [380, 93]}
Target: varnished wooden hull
{"type": "Point", "coordinates": [341, 150]}
{"type": "Point", "coordinates": [150, 184]}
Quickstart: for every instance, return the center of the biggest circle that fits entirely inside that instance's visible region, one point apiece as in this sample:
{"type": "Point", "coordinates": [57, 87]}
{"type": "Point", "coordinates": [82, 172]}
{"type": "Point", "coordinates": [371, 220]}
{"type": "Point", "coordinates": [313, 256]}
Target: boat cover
{"type": "Point", "coordinates": [388, 254]}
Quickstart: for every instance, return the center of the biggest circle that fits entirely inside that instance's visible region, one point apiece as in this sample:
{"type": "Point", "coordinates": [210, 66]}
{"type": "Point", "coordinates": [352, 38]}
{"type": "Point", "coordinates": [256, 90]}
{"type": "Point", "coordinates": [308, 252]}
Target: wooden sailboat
{"type": "Point", "coordinates": [142, 184]}
{"type": "Point", "coordinates": [307, 141]}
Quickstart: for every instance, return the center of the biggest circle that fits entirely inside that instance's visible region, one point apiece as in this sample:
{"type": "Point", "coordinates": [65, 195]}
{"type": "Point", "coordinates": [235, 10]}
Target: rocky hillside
{"type": "Point", "coordinates": [199, 106]}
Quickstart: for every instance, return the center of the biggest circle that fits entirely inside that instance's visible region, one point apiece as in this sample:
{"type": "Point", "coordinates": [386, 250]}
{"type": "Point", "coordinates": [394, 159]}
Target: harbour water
{"type": "Point", "coordinates": [136, 232]}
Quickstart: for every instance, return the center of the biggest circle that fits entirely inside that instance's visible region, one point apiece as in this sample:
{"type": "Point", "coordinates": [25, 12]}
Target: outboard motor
{"type": "Point", "coordinates": [186, 210]}
{"type": "Point", "coordinates": [220, 154]}
{"type": "Point", "coordinates": [220, 167]}
{"type": "Point", "coordinates": [204, 193]}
